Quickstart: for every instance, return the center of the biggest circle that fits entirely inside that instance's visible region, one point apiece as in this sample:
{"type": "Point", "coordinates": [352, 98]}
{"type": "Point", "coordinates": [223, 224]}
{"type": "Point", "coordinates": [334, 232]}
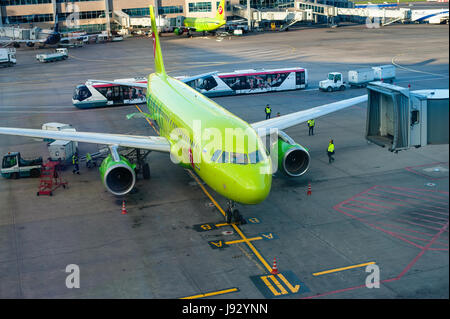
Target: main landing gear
{"type": "Point", "coordinates": [232, 214]}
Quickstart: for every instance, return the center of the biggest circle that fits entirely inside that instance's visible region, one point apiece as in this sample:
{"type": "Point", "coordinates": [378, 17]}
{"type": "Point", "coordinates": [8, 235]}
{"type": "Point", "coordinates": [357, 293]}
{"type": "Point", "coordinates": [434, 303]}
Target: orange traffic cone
{"type": "Point", "coordinates": [124, 210]}
{"type": "Point", "coordinates": [274, 270]}
{"type": "Point", "coordinates": [309, 189]}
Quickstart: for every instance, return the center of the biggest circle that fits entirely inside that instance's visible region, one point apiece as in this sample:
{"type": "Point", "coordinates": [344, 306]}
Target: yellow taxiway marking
{"type": "Point", "coordinates": [294, 289]}
{"type": "Point", "coordinates": [242, 240]}
{"type": "Point", "coordinates": [221, 225]}
{"type": "Point", "coordinates": [271, 287]}
{"type": "Point", "coordinates": [341, 269]}
{"type": "Point", "coordinates": [214, 293]}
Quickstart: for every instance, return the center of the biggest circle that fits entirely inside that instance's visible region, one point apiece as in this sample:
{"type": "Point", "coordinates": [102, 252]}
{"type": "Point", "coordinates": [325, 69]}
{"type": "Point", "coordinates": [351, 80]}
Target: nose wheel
{"type": "Point", "coordinates": [232, 214]}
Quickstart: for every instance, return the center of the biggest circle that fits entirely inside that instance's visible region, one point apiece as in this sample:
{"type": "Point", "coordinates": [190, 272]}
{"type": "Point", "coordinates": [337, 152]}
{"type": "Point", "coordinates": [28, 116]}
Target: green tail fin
{"type": "Point", "coordinates": [159, 64]}
{"type": "Point", "coordinates": [220, 14]}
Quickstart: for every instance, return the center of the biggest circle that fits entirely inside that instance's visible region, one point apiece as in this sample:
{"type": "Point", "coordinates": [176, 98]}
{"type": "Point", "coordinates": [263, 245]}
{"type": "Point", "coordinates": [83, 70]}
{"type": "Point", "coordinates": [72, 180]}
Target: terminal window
{"type": "Point", "coordinates": [200, 7]}
{"type": "Point", "coordinates": [22, 2]}
{"type": "Point", "coordinates": [29, 18]}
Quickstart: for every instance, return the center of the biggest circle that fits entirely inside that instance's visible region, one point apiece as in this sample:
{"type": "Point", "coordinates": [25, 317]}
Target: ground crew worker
{"type": "Point", "coordinates": [311, 124]}
{"type": "Point", "coordinates": [88, 160]}
{"type": "Point", "coordinates": [268, 111]}
{"type": "Point", "coordinates": [76, 168]}
{"type": "Point", "coordinates": [330, 151]}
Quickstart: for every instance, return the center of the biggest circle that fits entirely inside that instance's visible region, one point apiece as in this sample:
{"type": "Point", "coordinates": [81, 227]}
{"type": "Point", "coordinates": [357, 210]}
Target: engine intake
{"type": "Point", "coordinates": [292, 157]}
{"type": "Point", "coordinates": [296, 161]}
{"type": "Point", "coordinates": [118, 177]}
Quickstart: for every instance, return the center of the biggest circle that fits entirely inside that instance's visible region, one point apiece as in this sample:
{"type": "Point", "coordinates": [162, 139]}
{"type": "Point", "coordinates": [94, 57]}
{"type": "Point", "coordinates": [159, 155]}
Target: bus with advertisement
{"type": "Point", "coordinates": [97, 93]}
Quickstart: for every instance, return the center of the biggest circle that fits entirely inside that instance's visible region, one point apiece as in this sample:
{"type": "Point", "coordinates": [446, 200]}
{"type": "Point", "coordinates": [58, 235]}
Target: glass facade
{"type": "Point", "coordinates": [28, 18]}
{"type": "Point", "coordinates": [257, 4]}
{"type": "Point", "coordinates": [136, 12]}
{"type": "Point", "coordinates": [25, 2]}
{"type": "Point", "coordinates": [170, 9]}
{"type": "Point", "coordinates": [83, 15]}
{"type": "Point", "coordinates": [199, 7]}
{"type": "Point", "coordinates": [22, 2]}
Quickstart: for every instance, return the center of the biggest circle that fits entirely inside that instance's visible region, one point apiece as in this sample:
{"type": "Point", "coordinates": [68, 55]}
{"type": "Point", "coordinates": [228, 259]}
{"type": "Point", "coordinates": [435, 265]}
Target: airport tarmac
{"type": "Point", "coordinates": [369, 207]}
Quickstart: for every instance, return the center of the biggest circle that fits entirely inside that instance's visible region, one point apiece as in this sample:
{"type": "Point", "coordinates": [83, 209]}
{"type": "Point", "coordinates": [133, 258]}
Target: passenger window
{"type": "Point", "coordinates": [239, 158]}
{"type": "Point", "coordinates": [255, 157]}
{"type": "Point", "coordinates": [208, 83]}
{"type": "Point", "coordinates": [216, 155]}
{"type": "Point", "coordinates": [224, 158]}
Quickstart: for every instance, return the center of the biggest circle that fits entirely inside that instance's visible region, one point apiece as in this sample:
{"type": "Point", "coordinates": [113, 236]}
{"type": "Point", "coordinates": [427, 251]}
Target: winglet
{"type": "Point", "coordinates": [220, 15]}
{"type": "Point", "coordinates": [159, 64]}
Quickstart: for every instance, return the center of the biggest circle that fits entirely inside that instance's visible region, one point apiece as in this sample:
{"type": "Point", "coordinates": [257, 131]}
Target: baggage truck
{"type": "Point", "coordinates": [59, 54]}
{"type": "Point", "coordinates": [360, 77]}
{"type": "Point", "coordinates": [386, 73]}
{"type": "Point", "coordinates": [7, 56]}
{"type": "Point", "coordinates": [14, 166]}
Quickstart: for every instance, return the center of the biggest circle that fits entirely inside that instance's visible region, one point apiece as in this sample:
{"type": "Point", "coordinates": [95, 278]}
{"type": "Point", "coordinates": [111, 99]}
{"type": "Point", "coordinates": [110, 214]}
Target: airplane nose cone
{"type": "Point", "coordinates": [252, 187]}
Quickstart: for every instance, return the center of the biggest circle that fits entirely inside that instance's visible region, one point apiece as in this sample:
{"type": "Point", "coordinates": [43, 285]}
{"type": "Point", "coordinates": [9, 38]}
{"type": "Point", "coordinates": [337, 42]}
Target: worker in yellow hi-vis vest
{"type": "Point", "coordinates": [268, 111]}
{"type": "Point", "coordinates": [330, 151]}
{"type": "Point", "coordinates": [311, 124]}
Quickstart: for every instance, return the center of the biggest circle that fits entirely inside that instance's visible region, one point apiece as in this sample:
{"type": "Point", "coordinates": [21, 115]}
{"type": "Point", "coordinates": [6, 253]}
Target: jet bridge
{"type": "Point", "coordinates": [400, 119]}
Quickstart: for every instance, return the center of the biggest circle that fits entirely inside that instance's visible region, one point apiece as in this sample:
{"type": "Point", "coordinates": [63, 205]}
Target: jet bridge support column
{"type": "Point", "coordinates": [400, 119]}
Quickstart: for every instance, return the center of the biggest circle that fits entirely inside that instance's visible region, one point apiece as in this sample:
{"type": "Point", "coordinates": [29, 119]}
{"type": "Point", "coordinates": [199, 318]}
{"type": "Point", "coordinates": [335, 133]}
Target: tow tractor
{"type": "Point", "coordinates": [59, 54]}
{"type": "Point", "coordinates": [334, 82]}
{"type": "Point", "coordinates": [14, 166]}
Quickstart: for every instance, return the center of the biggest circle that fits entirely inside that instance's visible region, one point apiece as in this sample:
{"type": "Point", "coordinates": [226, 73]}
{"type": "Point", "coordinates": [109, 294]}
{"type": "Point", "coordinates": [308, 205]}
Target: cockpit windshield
{"type": "Point", "coordinates": [81, 93]}
{"type": "Point", "coordinates": [237, 158]}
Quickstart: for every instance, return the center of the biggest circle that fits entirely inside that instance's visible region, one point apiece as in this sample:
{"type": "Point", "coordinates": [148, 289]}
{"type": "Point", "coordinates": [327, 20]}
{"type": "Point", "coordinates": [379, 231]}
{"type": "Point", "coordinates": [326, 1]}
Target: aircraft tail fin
{"type": "Point", "coordinates": [159, 64]}
{"type": "Point", "coordinates": [220, 14]}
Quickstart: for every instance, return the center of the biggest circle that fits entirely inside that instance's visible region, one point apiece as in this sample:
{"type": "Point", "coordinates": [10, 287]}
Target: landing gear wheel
{"type": "Point", "coordinates": [146, 171]}
{"type": "Point", "coordinates": [237, 217]}
{"type": "Point", "coordinates": [228, 216]}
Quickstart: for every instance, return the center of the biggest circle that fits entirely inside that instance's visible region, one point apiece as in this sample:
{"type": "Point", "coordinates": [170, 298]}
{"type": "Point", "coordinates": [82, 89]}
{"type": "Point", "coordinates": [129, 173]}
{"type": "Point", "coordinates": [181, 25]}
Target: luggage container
{"type": "Point", "coordinates": [385, 73]}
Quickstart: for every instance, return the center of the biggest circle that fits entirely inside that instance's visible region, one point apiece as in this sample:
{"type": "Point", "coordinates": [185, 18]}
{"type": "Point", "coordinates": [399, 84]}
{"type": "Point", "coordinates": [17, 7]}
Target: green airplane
{"type": "Point", "coordinates": [204, 24]}
{"type": "Point", "coordinates": [226, 152]}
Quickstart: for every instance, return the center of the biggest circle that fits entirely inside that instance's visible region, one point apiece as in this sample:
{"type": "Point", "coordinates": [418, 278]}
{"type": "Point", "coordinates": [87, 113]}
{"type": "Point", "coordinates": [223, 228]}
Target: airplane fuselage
{"type": "Point", "coordinates": [176, 107]}
{"type": "Point", "coordinates": [203, 24]}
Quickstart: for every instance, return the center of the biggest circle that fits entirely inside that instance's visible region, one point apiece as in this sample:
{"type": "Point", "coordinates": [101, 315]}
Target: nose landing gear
{"type": "Point", "coordinates": [232, 214]}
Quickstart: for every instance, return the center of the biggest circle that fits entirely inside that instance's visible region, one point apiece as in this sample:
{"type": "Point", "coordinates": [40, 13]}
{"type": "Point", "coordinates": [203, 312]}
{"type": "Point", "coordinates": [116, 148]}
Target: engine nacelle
{"type": "Point", "coordinates": [293, 158]}
{"type": "Point", "coordinates": [118, 177]}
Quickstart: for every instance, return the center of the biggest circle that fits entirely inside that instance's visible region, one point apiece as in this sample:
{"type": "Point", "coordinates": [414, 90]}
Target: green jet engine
{"type": "Point", "coordinates": [293, 158]}
{"type": "Point", "coordinates": [118, 175]}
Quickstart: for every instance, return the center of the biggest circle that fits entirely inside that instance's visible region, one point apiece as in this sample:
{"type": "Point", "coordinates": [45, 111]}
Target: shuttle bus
{"type": "Point", "coordinates": [248, 81]}
{"type": "Point", "coordinates": [212, 84]}
{"type": "Point", "coordinates": [92, 94]}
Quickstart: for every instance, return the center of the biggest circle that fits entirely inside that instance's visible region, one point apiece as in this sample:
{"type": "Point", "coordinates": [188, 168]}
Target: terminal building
{"type": "Point", "coordinates": [105, 15]}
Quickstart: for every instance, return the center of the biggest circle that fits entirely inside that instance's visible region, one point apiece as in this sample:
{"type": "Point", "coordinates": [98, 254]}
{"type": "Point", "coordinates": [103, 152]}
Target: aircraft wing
{"type": "Point", "coordinates": [153, 143]}
{"type": "Point", "coordinates": [286, 121]}
{"type": "Point", "coordinates": [132, 84]}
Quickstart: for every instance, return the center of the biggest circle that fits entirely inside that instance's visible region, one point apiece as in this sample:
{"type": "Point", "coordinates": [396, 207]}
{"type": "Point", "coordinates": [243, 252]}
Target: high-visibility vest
{"type": "Point", "coordinates": [88, 157]}
{"type": "Point", "coordinates": [311, 122]}
{"type": "Point", "coordinates": [268, 110]}
{"type": "Point", "coordinates": [74, 159]}
{"type": "Point", "coordinates": [331, 147]}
